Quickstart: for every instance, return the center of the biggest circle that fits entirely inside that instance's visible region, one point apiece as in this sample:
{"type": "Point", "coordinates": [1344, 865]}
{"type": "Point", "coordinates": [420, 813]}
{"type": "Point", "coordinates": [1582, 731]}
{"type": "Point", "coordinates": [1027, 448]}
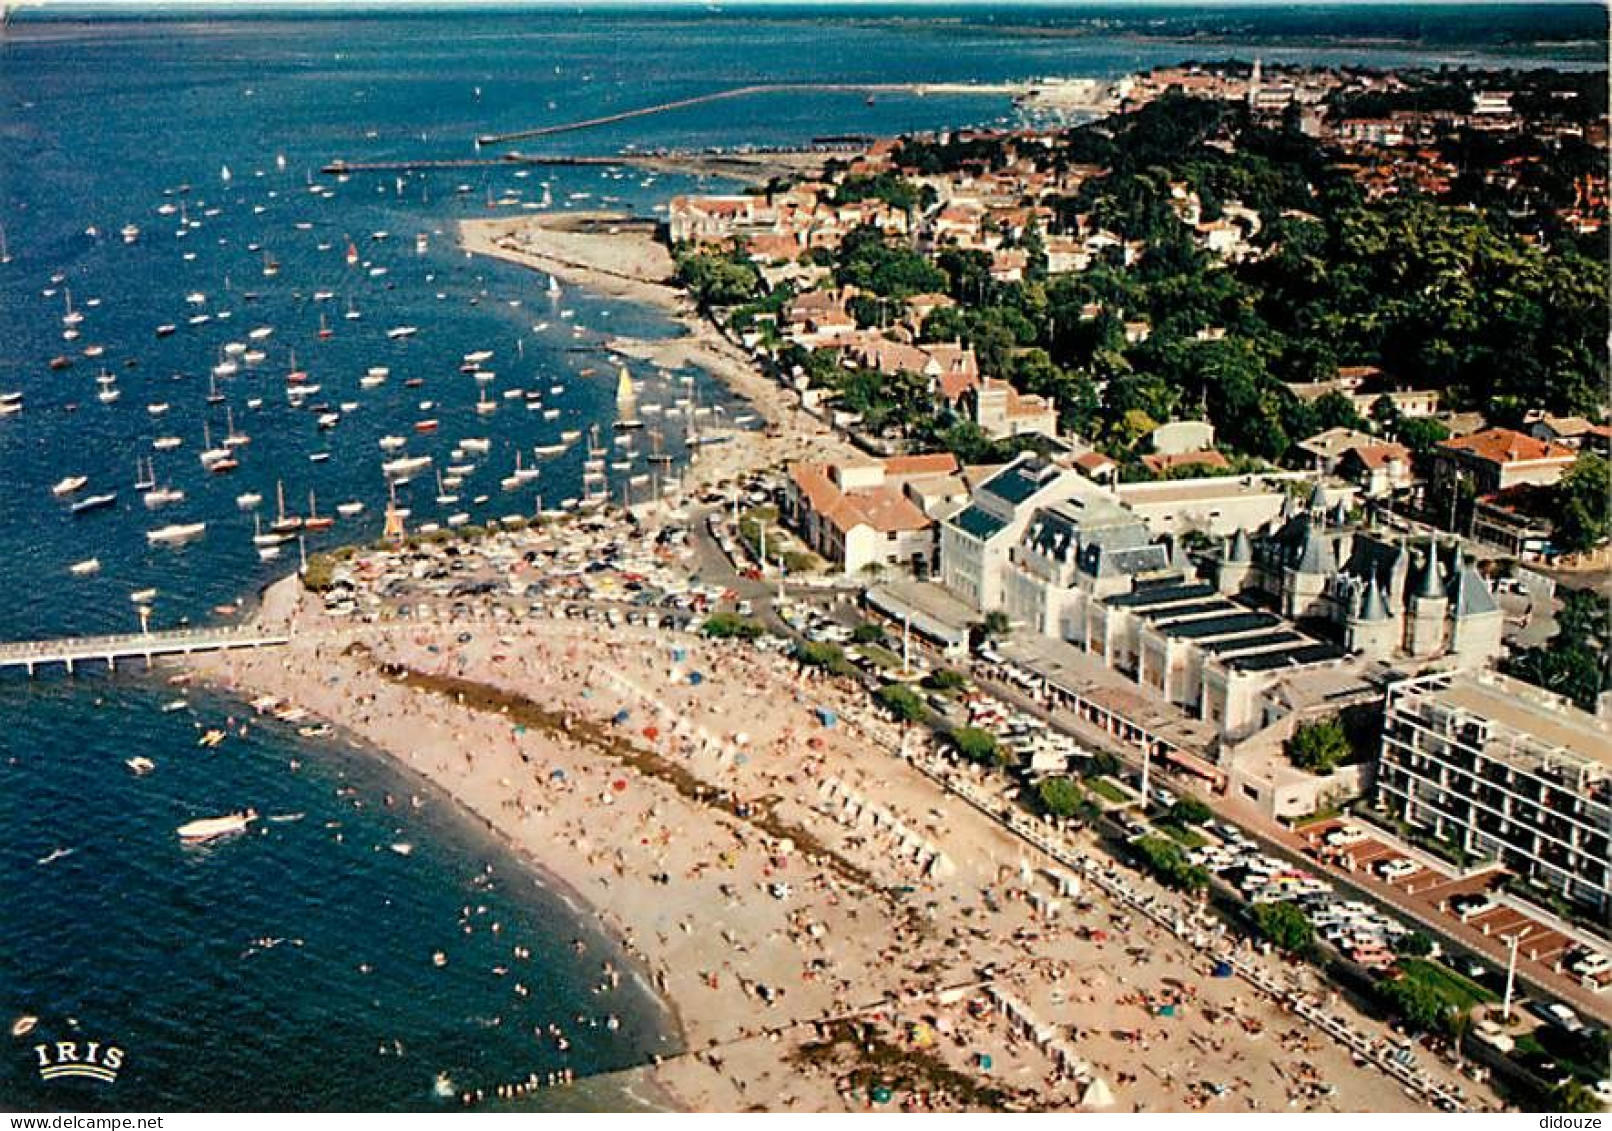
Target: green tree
{"type": "Point", "coordinates": [1189, 811]}
{"type": "Point", "coordinates": [1415, 1002]}
{"type": "Point", "coordinates": [978, 745]}
{"type": "Point", "coordinates": [995, 625]}
{"type": "Point", "coordinates": [1574, 1097]}
{"type": "Point", "coordinates": [1319, 747]}
{"type": "Point", "coordinates": [1579, 504]}
{"type": "Point", "coordinates": [724, 626]}
{"type": "Point", "coordinates": [718, 279]}
{"type": "Point", "coordinates": [822, 655]}
{"type": "Point", "coordinates": [1168, 861]}
{"type": "Point", "coordinates": [1060, 796]}
{"type": "Point", "coordinates": [945, 679]}
{"type": "Point", "coordinates": [901, 701]}
{"type": "Point", "coordinates": [868, 632]}
{"type": "Point", "coordinates": [1284, 925]}
{"type": "Point", "coordinates": [1413, 944]}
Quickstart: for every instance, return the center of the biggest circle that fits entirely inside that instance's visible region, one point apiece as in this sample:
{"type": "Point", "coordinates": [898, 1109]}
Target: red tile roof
{"type": "Point", "coordinates": [1504, 446]}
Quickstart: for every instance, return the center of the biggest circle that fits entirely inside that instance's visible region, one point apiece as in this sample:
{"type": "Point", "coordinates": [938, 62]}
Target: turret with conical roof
{"type": "Point", "coordinates": [1231, 573]}
{"type": "Point", "coordinates": [1315, 551]}
{"type": "Point", "coordinates": [1372, 630]}
{"type": "Point", "coordinates": [1428, 605]}
{"type": "Point", "coordinates": [1318, 500]}
{"type": "Point", "coordinates": [1428, 585]}
{"type": "Point", "coordinates": [1478, 625]}
{"type": "Point", "coordinates": [1372, 606]}
{"type": "Point", "coordinates": [1241, 550]}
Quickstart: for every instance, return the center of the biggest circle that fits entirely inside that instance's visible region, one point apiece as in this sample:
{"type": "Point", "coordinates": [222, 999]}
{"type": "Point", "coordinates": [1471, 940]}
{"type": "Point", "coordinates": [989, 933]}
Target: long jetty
{"type": "Point", "coordinates": [1008, 89]}
{"type": "Point", "coordinates": [71, 651]}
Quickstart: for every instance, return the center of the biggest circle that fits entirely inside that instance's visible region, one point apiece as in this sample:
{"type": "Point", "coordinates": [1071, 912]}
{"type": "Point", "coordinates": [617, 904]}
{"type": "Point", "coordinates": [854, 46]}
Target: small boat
{"type": "Point", "coordinates": [348, 510]}
{"type": "Point", "coordinates": [143, 596]}
{"type": "Point", "coordinates": [94, 503]}
{"type": "Point", "coordinates": [161, 497]}
{"type": "Point", "coordinates": [68, 485]}
{"type": "Point", "coordinates": [248, 500]}
{"type": "Point", "coordinates": [429, 425]}
{"type": "Point", "coordinates": [398, 332]}
{"type": "Point", "coordinates": [140, 766]}
{"type": "Point", "coordinates": [24, 1025]}
{"type": "Point", "coordinates": [176, 533]}
{"type": "Point", "coordinates": [85, 567]}
{"type": "Point", "coordinates": [211, 828]}
{"type": "Point", "coordinates": [476, 444]}
{"type": "Point", "coordinates": [166, 443]}
{"type": "Point", "coordinates": [406, 465]}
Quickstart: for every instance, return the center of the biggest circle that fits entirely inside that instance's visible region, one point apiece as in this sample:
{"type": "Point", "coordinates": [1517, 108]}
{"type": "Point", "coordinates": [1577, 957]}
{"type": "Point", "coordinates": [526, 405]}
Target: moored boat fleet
{"type": "Point", "coordinates": [244, 370]}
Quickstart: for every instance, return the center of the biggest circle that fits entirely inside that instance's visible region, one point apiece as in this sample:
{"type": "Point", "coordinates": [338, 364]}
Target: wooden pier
{"type": "Point", "coordinates": [71, 651]}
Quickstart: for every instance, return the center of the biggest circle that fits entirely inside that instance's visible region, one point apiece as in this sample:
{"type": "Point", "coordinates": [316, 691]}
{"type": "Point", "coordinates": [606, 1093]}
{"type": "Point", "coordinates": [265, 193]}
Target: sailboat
{"type": "Point", "coordinates": [210, 456]}
{"type": "Point", "coordinates": [213, 395]}
{"type": "Point", "coordinates": [316, 521]}
{"type": "Point", "coordinates": [626, 402]}
{"type": "Point", "coordinates": [283, 523]}
{"type": "Point", "coordinates": [232, 438]}
{"type": "Point", "coordinates": [5, 252]}
{"type": "Point", "coordinates": [261, 539]}
{"type": "Point", "coordinates": [444, 498]}
{"type": "Point", "coordinates": [72, 317]}
{"type": "Point", "coordinates": [145, 474]}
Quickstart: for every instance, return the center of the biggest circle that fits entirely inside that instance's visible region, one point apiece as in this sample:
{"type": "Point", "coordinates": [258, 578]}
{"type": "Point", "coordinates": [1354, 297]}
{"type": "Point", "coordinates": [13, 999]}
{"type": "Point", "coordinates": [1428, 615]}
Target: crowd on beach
{"type": "Point", "coordinates": [779, 857]}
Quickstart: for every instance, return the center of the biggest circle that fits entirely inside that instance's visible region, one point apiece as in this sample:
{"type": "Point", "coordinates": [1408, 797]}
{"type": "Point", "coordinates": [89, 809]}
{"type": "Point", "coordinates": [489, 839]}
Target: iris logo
{"type": "Point", "coordinates": [90, 1060]}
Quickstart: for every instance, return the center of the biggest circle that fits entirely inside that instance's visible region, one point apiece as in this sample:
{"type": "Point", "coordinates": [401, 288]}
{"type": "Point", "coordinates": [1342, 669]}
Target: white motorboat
{"type": "Point", "coordinates": [176, 533]}
{"type": "Point", "coordinates": [211, 828]}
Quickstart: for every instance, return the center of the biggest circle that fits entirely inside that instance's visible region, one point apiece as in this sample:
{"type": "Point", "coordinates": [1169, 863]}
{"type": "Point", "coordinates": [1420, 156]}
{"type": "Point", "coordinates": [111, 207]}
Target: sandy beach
{"type": "Point", "coordinates": [619, 256]}
{"type": "Point", "coordinates": [833, 929]}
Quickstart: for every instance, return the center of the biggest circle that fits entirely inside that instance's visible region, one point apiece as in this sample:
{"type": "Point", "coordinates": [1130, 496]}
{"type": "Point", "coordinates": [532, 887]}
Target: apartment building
{"type": "Point", "coordinates": [1506, 771]}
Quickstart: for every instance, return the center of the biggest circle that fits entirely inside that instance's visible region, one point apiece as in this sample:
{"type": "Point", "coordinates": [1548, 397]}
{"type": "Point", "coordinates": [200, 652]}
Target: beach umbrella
{"type": "Point", "coordinates": [1097, 1094]}
{"type": "Point", "coordinates": [618, 785]}
{"type": "Point", "coordinates": [652, 733]}
{"type": "Point", "coordinates": [556, 775]}
{"type": "Point", "coordinates": [696, 678]}
{"type": "Point", "coordinates": [881, 1094]}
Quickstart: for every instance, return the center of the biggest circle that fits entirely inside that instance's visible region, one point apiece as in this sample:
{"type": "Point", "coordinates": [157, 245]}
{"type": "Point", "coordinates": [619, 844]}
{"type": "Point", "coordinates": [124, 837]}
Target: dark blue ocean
{"type": "Point", "coordinates": [111, 930]}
